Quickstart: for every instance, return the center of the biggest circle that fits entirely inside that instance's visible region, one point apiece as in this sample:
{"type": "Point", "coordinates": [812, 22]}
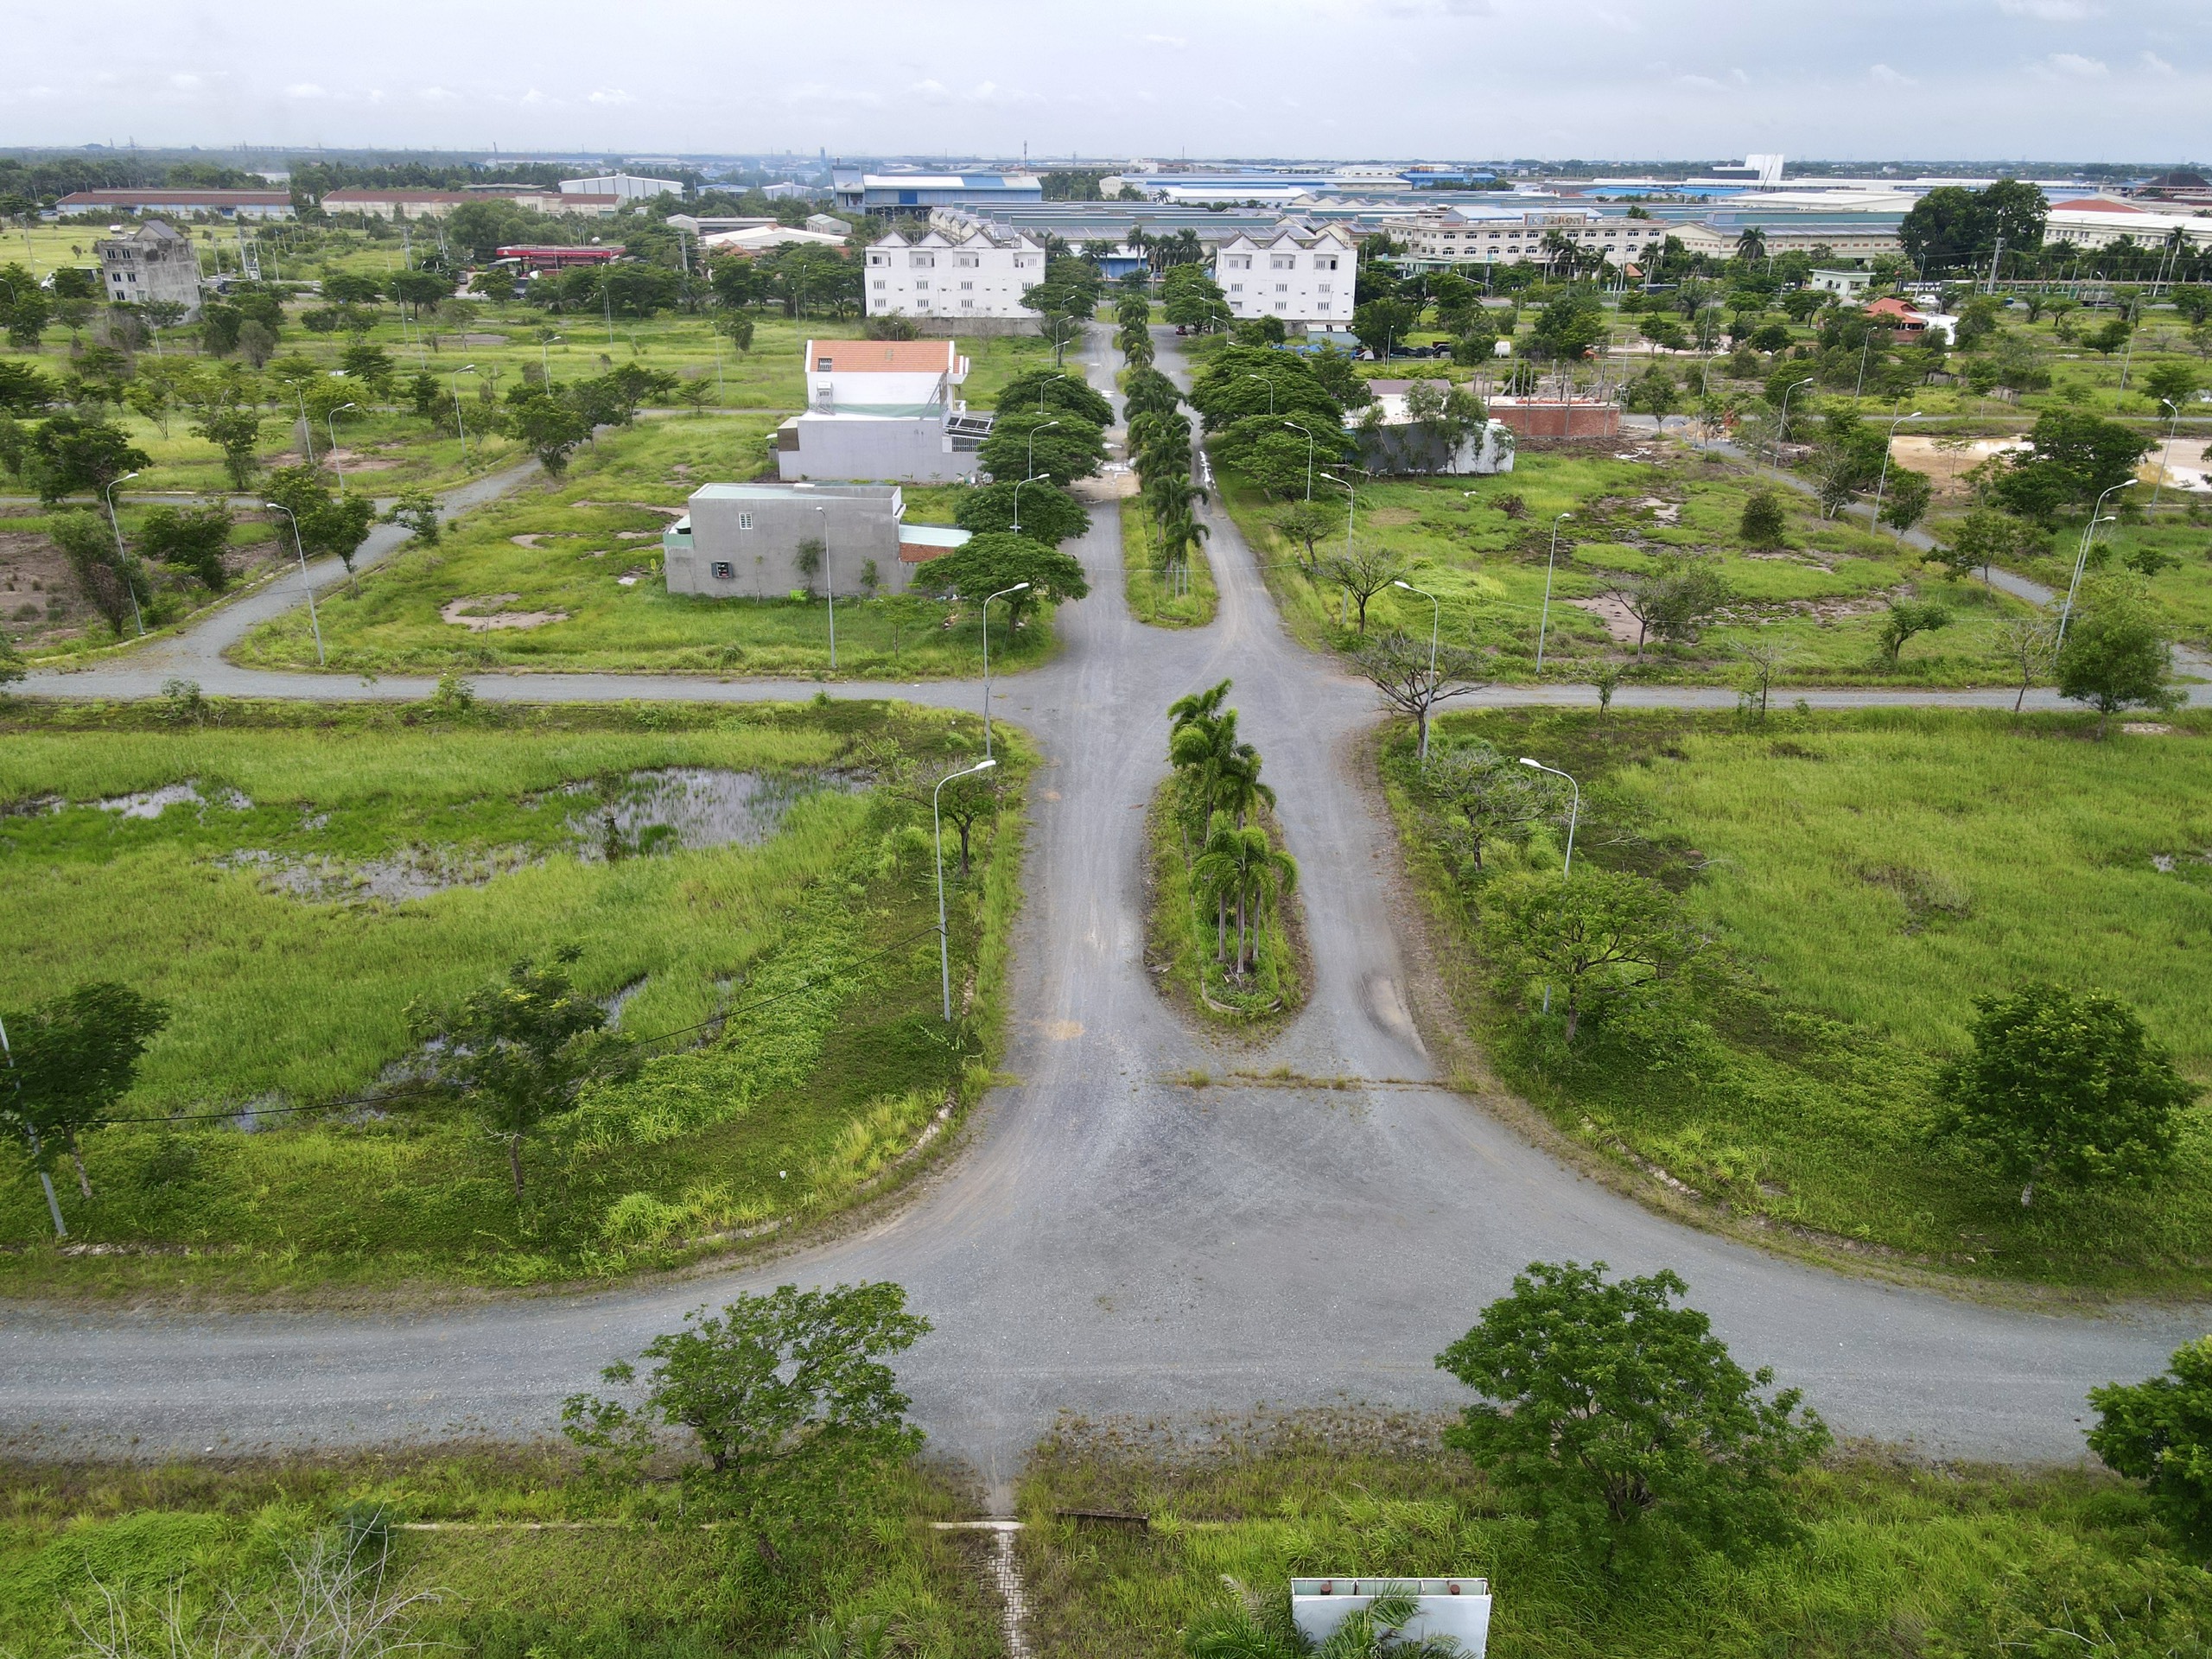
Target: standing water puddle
{"type": "Point", "coordinates": [687, 807]}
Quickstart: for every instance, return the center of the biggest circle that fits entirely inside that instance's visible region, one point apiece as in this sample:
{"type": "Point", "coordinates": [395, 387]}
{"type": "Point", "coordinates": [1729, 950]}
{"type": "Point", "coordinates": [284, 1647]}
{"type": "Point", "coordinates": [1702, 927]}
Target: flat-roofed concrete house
{"type": "Point", "coordinates": [151, 263]}
{"type": "Point", "coordinates": [742, 541]}
{"type": "Point", "coordinates": [883, 409]}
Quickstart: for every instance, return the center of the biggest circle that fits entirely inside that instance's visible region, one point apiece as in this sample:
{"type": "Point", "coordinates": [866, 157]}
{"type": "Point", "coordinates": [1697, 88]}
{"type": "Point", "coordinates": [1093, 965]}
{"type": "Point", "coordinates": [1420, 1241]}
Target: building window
{"type": "Point", "coordinates": [967, 285]}
{"type": "Point", "coordinates": [745, 521]}
{"type": "Point", "coordinates": [721, 572]}
{"type": "Point", "coordinates": [1283, 262]}
{"type": "Point", "coordinates": [1321, 287]}
{"type": "Point", "coordinates": [1282, 305]}
{"type": "Point", "coordinates": [821, 366]}
{"type": "Point", "coordinates": [922, 261]}
{"type": "Point", "coordinates": [1325, 262]}
{"type": "Point", "coordinates": [1236, 288]}
{"type": "Point", "coordinates": [880, 282]}
{"type": "Point", "coordinates": [921, 284]}
{"type": "Point", "coordinates": [1283, 288]}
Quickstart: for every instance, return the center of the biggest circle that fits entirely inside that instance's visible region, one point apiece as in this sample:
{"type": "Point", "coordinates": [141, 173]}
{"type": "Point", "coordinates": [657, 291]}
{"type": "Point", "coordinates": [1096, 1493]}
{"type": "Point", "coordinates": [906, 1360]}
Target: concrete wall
{"type": "Point", "coordinates": [1549, 419]}
{"type": "Point", "coordinates": [917, 451]}
{"type": "Point", "coordinates": [758, 536]}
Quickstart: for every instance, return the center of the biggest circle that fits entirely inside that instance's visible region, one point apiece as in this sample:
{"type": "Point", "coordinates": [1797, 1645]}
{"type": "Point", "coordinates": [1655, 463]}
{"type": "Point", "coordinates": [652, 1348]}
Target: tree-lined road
{"type": "Point", "coordinates": [1111, 1240]}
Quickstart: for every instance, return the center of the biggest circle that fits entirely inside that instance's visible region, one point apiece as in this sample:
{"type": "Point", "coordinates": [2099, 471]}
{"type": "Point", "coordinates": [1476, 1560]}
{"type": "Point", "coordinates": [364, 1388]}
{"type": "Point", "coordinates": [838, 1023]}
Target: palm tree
{"type": "Point", "coordinates": [1751, 245]}
{"type": "Point", "coordinates": [1178, 536]}
{"type": "Point", "coordinates": [1172, 495]}
{"type": "Point", "coordinates": [1240, 865]}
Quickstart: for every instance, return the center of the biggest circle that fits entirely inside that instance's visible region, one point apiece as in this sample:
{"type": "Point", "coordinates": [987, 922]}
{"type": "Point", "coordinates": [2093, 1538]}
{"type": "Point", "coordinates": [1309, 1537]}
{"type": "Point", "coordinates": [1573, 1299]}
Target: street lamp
{"type": "Point", "coordinates": [2082, 559]}
{"type": "Point", "coordinates": [1574, 811]}
{"type": "Point", "coordinates": [1019, 586]}
{"type": "Point", "coordinates": [2159, 483]}
{"type": "Point", "coordinates": [1031, 468]}
{"type": "Point", "coordinates": [1269, 385]}
{"type": "Point", "coordinates": [330, 425]}
{"type": "Point", "coordinates": [1883, 482]}
{"type": "Point", "coordinates": [937, 819]}
{"type": "Point", "coordinates": [1782, 427]}
{"type": "Point", "coordinates": [122, 561]}
{"type": "Point", "coordinates": [830, 587]}
{"type": "Point", "coordinates": [299, 546]}
{"type": "Point", "coordinates": [1018, 483]}
{"type": "Point", "coordinates": [1544, 619]}
{"type": "Point", "coordinates": [1435, 624]}
{"type": "Point", "coordinates": [1295, 426]}
{"type": "Point", "coordinates": [454, 380]}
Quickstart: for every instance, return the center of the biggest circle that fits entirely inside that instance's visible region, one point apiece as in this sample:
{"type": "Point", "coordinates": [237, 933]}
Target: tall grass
{"type": "Point", "coordinates": [1144, 587]}
{"type": "Point", "coordinates": [1864, 876]}
{"type": "Point", "coordinates": [816, 945]}
{"type": "Point", "coordinates": [1899, 1559]}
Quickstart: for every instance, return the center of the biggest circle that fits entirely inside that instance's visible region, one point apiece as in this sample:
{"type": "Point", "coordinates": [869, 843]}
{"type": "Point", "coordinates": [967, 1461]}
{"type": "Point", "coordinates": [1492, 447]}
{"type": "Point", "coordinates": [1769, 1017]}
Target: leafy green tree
{"type": "Point", "coordinates": [327, 523]}
{"type": "Point", "coordinates": [1763, 520]}
{"type": "Point", "coordinates": [2062, 1086]}
{"type": "Point", "coordinates": [1907, 617]}
{"type": "Point", "coordinates": [1654, 392]}
{"type": "Point", "coordinates": [1570, 325]}
{"type": "Point", "coordinates": [1675, 599]}
{"type": "Point", "coordinates": [1242, 382]}
{"type": "Point", "coordinates": [1194, 301]}
{"type": "Point", "coordinates": [1603, 937]}
{"type": "Point", "coordinates": [2075, 457]}
{"type": "Point", "coordinates": [416, 289]}
{"type": "Point", "coordinates": [794, 1417]}
{"type": "Point", "coordinates": [549, 423]}
{"type": "Point", "coordinates": [1617, 1416]}
{"type": "Point", "coordinates": [521, 1050]}
{"type": "Point", "coordinates": [353, 288]}
{"type": "Point", "coordinates": [237, 432]}
{"type": "Point", "coordinates": [2115, 657]}
{"type": "Point", "coordinates": [1382, 325]}
{"type": "Point", "coordinates": [108, 583]}
{"type": "Point", "coordinates": [1048, 513]}
{"type": "Point", "coordinates": [1986, 537]}
{"type": "Point", "coordinates": [2159, 1431]}
{"type": "Point", "coordinates": [2173, 381]}
{"type": "Point", "coordinates": [1495, 798]}
{"type": "Point", "coordinates": [418, 509]}
{"type": "Point", "coordinates": [1306, 524]}
{"type": "Point", "coordinates": [1905, 498]}
{"type": "Point", "coordinates": [1057, 393]}
{"type": "Point", "coordinates": [192, 538]}
{"type": "Point", "coordinates": [74, 1058]}
{"type": "Point", "coordinates": [24, 390]}
{"type": "Point", "coordinates": [69, 453]}
{"type": "Point", "coordinates": [372, 367]}
{"type": "Point", "coordinates": [2110, 337]}
{"type": "Point", "coordinates": [998, 559]}
{"type": "Point", "coordinates": [1064, 452]}
{"type": "Point", "coordinates": [1149, 391]}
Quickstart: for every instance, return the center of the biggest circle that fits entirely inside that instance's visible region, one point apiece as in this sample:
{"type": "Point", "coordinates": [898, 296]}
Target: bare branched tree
{"type": "Point", "coordinates": [1399, 668]}
{"type": "Point", "coordinates": [1363, 572]}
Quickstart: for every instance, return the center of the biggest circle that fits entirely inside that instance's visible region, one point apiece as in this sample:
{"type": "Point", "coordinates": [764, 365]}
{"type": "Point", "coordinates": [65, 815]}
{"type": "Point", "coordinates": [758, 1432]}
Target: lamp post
{"type": "Point", "coordinates": [1782, 427]}
{"type": "Point", "coordinates": [1544, 619]}
{"type": "Point", "coordinates": [937, 819]}
{"type": "Point", "coordinates": [545, 359]}
{"type": "Point", "coordinates": [1019, 586]}
{"type": "Point", "coordinates": [1883, 482]}
{"type": "Point", "coordinates": [1031, 468]}
{"type": "Point", "coordinates": [453, 381]}
{"type": "Point", "coordinates": [1435, 625]}
{"type": "Point", "coordinates": [1018, 483]}
{"type": "Point", "coordinates": [830, 587]}
{"type": "Point", "coordinates": [122, 561]}
{"type": "Point", "coordinates": [2081, 559]}
{"type": "Point", "coordinates": [1269, 385]}
{"type": "Point", "coordinates": [1573, 811]}
{"type": "Point", "coordinates": [38, 1157]}
{"type": "Point", "coordinates": [1352, 511]}
{"type": "Point", "coordinates": [299, 546]}
{"type": "Point", "coordinates": [2159, 483]}
{"type": "Point", "coordinates": [1295, 426]}
{"type": "Point", "coordinates": [330, 425]}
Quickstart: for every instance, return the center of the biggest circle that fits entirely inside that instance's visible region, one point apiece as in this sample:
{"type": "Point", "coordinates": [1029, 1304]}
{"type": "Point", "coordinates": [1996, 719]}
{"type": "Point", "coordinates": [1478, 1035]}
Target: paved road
{"type": "Point", "coordinates": [1111, 1240]}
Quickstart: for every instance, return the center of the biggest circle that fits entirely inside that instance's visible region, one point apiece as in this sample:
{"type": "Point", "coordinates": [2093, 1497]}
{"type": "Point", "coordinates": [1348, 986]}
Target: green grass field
{"type": "Point", "coordinates": [1900, 1558]}
{"type": "Point", "coordinates": [1821, 599]}
{"type": "Point", "coordinates": [332, 866]}
{"type": "Point", "coordinates": [588, 532]}
{"type": "Point", "coordinates": [1867, 876]}
{"type": "Point", "coordinates": [595, 1584]}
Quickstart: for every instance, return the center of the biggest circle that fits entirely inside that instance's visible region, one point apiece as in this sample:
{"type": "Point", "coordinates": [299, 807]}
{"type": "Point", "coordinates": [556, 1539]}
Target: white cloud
{"type": "Point", "coordinates": [1883, 75]}
{"type": "Point", "coordinates": [2153, 64]}
{"type": "Point", "coordinates": [1162, 40]}
{"type": "Point", "coordinates": [187, 83]}
{"type": "Point", "coordinates": [611, 95]}
{"type": "Point", "coordinates": [437, 95]}
{"type": "Point", "coordinates": [2075, 66]}
{"type": "Point", "coordinates": [2050, 11]}
{"type": "Point", "coordinates": [305, 89]}
{"type": "Point", "coordinates": [1702, 83]}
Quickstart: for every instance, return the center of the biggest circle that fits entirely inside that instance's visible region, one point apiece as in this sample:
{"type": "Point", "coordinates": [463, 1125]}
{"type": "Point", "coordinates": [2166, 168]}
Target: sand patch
{"type": "Point", "coordinates": [1624, 628]}
{"type": "Point", "coordinates": [467, 613]}
{"type": "Point", "coordinates": [1946, 459]}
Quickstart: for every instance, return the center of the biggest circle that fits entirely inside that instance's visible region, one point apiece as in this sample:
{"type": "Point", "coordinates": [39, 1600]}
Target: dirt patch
{"type": "Point", "coordinates": [350, 462]}
{"type": "Point", "coordinates": [38, 596]}
{"type": "Point", "coordinates": [1945, 461]}
{"type": "Point", "coordinates": [1114, 483]}
{"type": "Point", "coordinates": [1614, 614]}
{"type": "Point", "coordinates": [469, 613]}
{"type": "Point", "coordinates": [642, 507]}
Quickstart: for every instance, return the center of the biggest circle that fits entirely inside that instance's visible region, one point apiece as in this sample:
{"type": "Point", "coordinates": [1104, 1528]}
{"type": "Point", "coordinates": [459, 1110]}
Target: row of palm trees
{"type": "Point", "coordinates": [1234, 863]}
{"type": "Point", "coordinates": [1159, 446]}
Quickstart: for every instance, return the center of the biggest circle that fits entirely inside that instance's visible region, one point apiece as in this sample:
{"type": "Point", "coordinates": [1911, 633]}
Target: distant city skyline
{"type": "Point", "coordinates": [1972, 80]}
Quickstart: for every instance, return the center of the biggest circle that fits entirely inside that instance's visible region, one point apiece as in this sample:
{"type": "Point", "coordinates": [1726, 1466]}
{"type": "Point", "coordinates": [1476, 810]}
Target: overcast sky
{"type": "Point", "coordinates": [1986, 80]}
